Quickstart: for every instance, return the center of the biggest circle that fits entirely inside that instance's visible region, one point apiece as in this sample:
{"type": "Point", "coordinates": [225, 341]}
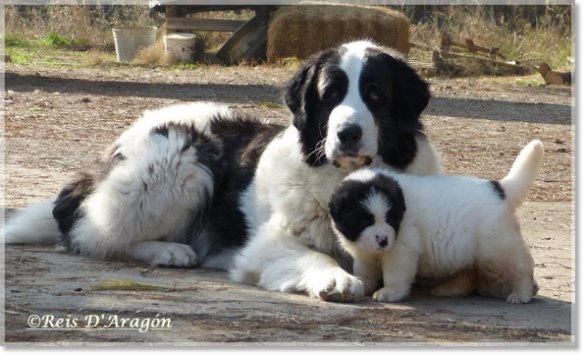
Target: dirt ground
{"type": "Point", "coordinates": [59, 120]}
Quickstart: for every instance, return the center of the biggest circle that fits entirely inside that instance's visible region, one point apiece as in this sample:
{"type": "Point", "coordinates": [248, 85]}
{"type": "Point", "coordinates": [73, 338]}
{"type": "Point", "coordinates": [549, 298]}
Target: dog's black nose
{"type": "Point", "coordinates": [382, 241]}
{"type": "Point", "coordinates": [350, 134]}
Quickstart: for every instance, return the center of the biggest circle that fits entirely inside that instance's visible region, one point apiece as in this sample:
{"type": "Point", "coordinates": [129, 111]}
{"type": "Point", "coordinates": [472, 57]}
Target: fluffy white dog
{"type": "Point", "coordinates": [461, 229]}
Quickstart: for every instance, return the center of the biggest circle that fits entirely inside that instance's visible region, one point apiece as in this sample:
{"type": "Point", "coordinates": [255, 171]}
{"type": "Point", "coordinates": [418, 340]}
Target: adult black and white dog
{"type": "Point", "coordinates": [198, 184]}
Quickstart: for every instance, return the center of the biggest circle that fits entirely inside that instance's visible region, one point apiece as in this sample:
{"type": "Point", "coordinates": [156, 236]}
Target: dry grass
{"type": "Point", "coordinates": [94, 57]}
{"type": "Point", "coordinates": [155, 55]}
{"type": "Point", "coordinates": [549, 39]}
{"type": "Point", "coordinates": [89, 25]}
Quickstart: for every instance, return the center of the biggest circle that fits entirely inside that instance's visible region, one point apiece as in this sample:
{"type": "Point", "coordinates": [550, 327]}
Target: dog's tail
{"type": "Point", "coordinates": [521, 176]}
{"type": "Point", "coordinates": [33, 224]}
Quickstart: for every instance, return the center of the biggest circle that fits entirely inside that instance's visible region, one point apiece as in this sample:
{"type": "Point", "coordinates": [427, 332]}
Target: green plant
{"type": "Point", "coordinates": [14, 40]}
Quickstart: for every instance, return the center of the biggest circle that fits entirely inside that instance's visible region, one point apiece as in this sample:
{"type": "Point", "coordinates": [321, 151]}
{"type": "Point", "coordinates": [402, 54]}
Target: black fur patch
{"type": "Point", "coordinates": [498, 188]}
{"type": "Point", "coordinates": [310, 110]}
{"type": "Point", "coordinates": [162, 130]}
{"type": "Point", "coordinates": [403, 96]}
{"type": "Point", "coordinates": [66, 208]}
{"type": "Point", "coordinates": [351, 218]}
{"type": "Point", "coordinates": [243, 140]}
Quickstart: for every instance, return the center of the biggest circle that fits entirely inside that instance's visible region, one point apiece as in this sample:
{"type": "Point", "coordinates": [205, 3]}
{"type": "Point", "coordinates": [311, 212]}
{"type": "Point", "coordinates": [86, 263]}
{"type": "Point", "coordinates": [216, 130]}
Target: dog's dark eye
{"type": "Point", "coordinates": [374, 95]}
{"type": "Point", "coordinates": [332, 93]}
{"type": "Point", "coordinates": [365, 223]}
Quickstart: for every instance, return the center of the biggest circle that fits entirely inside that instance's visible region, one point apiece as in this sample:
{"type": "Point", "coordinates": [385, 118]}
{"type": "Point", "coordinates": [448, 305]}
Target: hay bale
{"type": "Point", "coordinates": [300, 31]}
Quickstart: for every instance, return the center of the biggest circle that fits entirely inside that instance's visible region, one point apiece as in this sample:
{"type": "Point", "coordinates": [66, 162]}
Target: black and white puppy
{"type": "Point", "coordinates": [400, 226]}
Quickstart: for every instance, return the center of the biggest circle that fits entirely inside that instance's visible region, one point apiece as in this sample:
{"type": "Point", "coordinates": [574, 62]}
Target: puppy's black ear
{"type": "Point", "coordinates": [393, 189]}
{"type": "Point", "coordinates": [298, 91]}
{"type": "Point", "coordinates": [411, 96]}
{"type": "Point", "coordinates": [338, 205]}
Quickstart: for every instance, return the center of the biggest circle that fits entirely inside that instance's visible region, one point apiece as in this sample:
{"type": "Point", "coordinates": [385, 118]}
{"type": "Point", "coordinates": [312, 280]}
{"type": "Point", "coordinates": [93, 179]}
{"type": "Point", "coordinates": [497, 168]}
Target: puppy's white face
{"type": "Point", "coordinates": [379, 235]}
{"type": "Point", "coordinates": [367, 210]}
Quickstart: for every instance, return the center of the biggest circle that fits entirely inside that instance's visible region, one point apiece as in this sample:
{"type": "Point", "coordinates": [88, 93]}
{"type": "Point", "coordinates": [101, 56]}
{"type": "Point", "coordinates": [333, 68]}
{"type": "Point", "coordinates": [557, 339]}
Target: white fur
{"type": "Point", "coordinates": [352, 110]}
{"type": "Point", "coordinates": [452, 224]}
{"type": "Point", "coordinates": [370, 239]}
{"type": "Point", "coordinates": [34, 224]}
{"type": "Point", "coordinates": [150, 195]}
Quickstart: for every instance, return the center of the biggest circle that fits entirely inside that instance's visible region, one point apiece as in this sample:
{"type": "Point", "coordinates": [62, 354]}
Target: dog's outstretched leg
{"type": "Point", "coordinates": [276, 260]}
{"type": "Point", "coordinates": [163, 254]}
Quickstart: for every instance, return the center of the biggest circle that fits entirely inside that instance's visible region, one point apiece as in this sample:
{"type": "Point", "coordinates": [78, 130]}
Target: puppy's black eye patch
{"type": "Point", "coordinates": [366, 222]}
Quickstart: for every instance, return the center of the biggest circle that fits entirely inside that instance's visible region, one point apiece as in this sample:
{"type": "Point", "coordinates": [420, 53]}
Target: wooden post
{"type": "Point", "coordinates": [171, 11]}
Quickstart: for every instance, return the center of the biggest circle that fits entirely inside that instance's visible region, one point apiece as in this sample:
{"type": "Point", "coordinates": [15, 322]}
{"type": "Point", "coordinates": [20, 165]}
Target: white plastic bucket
{"type": "Point", "coordinates": [181, 45]}
{"type": "Point", "coordinates": [129, 40]}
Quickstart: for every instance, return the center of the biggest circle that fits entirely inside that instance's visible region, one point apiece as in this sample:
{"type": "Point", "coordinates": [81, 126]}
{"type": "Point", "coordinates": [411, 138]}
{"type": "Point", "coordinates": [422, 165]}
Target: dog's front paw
{"type": "Point", "coordinates": [338, 286]}
{"type": "Point", "coordinates": [390, 294]}
{"type": "Point", "coordinates": [175, 255]}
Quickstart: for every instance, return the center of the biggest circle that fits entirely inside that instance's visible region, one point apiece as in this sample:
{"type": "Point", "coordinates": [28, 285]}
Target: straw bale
{"type": "Point", "coordinates": [300, 31]}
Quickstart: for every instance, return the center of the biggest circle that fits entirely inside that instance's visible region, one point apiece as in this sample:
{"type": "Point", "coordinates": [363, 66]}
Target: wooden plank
{"type": "Point", "coordinates": [470, 46]}
{"type": "Point", "coordinates": [249, 42]}
{"type": "Point", "coordinates": [440, 55]}
{"type": "Point", "coordinates": [178, 23]}
{"type": "Point", "coordinates": [421, 64]}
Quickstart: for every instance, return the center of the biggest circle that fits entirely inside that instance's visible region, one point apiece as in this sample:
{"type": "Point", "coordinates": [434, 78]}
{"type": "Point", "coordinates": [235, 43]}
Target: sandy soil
{"type": "Point", "coordinates": [59, 120]}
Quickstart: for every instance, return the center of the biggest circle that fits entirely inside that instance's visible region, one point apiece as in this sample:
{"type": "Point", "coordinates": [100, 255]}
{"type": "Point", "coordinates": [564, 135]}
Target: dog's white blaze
{"type": "Point", "coordinates": [378, 205]}
{"type": "Point", "coordinates": [352, 110]}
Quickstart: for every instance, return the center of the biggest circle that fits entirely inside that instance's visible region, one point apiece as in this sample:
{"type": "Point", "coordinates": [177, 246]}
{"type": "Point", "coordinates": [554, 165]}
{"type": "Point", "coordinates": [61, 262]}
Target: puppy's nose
{"type": "Point", "coordinates": [383, 241]}
{"type": "Point", "coordinates": [350, 134]}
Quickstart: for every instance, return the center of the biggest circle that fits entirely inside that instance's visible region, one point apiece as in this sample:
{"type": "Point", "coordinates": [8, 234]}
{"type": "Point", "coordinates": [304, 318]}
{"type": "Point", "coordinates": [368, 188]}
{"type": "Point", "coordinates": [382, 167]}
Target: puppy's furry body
{"type": "Point", "coordinates": [438, 227]}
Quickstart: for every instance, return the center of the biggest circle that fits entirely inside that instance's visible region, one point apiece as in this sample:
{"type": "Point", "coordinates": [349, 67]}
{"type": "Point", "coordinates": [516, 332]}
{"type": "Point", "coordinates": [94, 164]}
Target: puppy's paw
{"type": "Point", "coordinates": [516, 298]}
{"type": "Point", "coordinates": [175, 255]}
{"type": "Point", "coordinates": [390, 294]}
{"type": "Point", "coordinates": [338, 286]}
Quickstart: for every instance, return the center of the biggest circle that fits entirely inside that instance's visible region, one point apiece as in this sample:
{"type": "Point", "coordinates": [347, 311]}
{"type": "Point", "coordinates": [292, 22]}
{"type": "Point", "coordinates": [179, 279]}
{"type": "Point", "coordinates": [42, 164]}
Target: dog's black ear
{"type": "Point", "coordinates": [298, 92]}
{"type": "Point", "coordinates": [411, 96]}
